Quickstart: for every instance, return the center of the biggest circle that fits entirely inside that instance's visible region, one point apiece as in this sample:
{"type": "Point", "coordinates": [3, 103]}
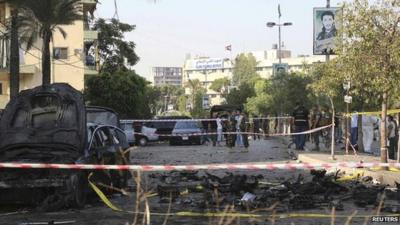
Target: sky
{"type": "Point", "coordinates": [167, 30]}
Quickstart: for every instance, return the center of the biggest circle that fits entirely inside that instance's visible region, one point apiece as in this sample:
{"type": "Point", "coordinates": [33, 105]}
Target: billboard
{"type": "Point", "coordinates": [324, 30]}
{"type": "Point", "coordinates": [209, 64]}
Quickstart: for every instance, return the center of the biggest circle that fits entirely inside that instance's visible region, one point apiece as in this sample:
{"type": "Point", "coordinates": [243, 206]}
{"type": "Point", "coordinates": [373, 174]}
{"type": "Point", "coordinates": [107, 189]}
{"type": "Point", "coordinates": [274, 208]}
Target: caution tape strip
{"type": "Point", "coordinates": [210, 119]}
{"type": "Point", "coordinates": [229, 166]}
{"type": "Point", "coordinates": [237, 132]}
{"type": "Point", "coordinates": [390, 111]}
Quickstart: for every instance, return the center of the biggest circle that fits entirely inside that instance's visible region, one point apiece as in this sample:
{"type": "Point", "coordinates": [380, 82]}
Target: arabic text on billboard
{"type": "Point", "coordinates": [209, 64]}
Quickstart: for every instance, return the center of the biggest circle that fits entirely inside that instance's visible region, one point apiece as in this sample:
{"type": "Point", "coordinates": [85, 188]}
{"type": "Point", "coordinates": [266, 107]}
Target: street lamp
{"type": "Point", "coordinates": [272, 24]}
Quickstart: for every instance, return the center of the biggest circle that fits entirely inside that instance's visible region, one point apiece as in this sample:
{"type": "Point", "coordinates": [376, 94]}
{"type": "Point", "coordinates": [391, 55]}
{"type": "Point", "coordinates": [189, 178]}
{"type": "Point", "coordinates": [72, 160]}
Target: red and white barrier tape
{"type": "Point", "coordinates": [211, 119]}
{"type": "Point", "coordinates": [230, 166]}
{"type": "Point", "coordinates": [248, 133]}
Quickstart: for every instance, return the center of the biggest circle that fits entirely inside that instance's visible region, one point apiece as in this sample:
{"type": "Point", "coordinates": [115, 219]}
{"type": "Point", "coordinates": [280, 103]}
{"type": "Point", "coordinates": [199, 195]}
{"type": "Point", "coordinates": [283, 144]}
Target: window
{"type": "Point", "coordinates": [60, 53]}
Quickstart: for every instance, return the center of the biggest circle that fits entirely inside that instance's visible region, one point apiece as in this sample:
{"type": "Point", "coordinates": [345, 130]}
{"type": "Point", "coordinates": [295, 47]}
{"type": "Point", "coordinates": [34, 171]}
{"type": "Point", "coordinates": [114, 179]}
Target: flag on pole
{"type": "Point", "coordinates": [228, 48]}
{"type": "Point", "coordinates": [279, 10]}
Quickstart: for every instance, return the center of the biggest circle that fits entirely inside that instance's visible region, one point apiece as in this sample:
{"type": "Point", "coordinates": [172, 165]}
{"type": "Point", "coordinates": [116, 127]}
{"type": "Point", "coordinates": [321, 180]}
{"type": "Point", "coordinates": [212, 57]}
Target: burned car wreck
{"type": "Point", "coordinates": [50, 124]}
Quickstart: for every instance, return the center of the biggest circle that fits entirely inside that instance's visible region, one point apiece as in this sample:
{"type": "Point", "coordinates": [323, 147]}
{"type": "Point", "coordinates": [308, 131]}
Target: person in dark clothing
{"type": "Point", "coordinates": [392, 132]}
{"type": "Point", "coordinates": [212, 128]}
{"type": "Point", "coordinates": [244, 127]}
{"type": "Point", "coordinates": [256, 128]}
{"type": "Point", "coordinates": [231, 127]}
{"type": "Point", "coordinates": [300, 121]}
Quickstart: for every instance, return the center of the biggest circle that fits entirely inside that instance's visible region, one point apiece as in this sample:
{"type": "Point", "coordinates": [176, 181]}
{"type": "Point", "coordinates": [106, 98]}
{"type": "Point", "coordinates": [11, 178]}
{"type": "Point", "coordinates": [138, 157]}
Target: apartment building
{"type": "Point", "coordinates": [73, 57]}
{"type": "Point", "coordinates": [167, 76]}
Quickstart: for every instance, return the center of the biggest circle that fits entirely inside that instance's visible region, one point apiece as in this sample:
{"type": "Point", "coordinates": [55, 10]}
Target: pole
{"type": "Point", "coordinates": [347, 127]}
{"type": "Point", "coordinates": [333, 130]}
{"type": "Point", "coordinates": [327, 58]}
{"type": "Point", "coordinates": [279, 47]}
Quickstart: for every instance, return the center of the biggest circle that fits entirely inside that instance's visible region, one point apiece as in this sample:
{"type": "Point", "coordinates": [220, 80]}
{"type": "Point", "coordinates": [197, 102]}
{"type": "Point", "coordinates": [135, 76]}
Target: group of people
{"type": "Point", "coordinates": [234, 124]}
{"type": "Point", "coordinates": [371, 131]}
{"type": "Point", "coordinates": [304, 120]}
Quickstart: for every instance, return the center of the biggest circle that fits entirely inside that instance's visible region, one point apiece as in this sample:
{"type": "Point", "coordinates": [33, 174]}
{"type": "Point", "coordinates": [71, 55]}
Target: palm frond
{"type": "Point", "coordinates": [62, 31]}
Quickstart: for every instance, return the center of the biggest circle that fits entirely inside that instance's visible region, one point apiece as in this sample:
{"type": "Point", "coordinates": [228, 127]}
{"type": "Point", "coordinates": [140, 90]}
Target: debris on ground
{"type": "Point", "coordinates": [322, 190]}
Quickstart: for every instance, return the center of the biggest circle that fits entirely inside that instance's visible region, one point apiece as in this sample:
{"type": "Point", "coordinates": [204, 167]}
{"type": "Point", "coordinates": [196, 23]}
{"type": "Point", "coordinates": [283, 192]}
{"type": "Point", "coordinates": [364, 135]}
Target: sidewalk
{"type": "Point", "coordinates": [324, 156]}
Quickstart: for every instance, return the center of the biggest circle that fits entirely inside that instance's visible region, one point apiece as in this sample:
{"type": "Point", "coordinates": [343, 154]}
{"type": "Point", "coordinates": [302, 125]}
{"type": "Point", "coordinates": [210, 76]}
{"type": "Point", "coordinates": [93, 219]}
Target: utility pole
{"type": "Point", "coordinates": [272, 24]}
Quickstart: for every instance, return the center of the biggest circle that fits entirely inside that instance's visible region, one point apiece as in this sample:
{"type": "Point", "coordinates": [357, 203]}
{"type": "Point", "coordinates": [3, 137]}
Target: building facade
{"type": "Point", "coordinates": [72, 58]}
{"type": "Point", "coordinates": [167, 76]}
{"type": "Point", "coordinates": [206, 70]}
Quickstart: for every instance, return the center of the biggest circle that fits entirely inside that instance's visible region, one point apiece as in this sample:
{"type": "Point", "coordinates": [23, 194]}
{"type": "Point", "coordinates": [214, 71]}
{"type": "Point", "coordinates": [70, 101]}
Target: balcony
{"type": "Point", "coordinates": [5, 59]}
{"type": "Point", "coordinates": [91, 62]}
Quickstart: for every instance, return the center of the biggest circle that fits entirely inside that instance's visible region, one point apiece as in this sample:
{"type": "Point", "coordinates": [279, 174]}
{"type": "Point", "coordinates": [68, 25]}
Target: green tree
{"type": "Point", "coordinates": [239, 96]}
{"type": "Point", "coordinates": [368, 52]}
{"type": "Point", "coordinates": [114, 50]}
{"type": "Point", "coordinates": [124, 91]}
{"type": "Point", "coordinates": [197, 91]}
{"type": "Point", "coordinates": [258, 105]}
{"type": "Point", "coordinates": [244, 69]}
{"type": "Point", "coordinates": [221, 86]}
{"type": "Point", "coordinates": [41, 19]}
{"type": "Point", "coordinates": [285, 90]}
{"type": "Point", "coordinates": [165, 95]}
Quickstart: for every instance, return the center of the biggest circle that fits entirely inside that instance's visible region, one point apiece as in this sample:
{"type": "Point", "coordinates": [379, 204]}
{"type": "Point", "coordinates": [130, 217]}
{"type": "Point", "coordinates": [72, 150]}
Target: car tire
{"type": "Point", "coordinates": [142, 141]}
{"type": "Point", "coordinates": [79, 186]}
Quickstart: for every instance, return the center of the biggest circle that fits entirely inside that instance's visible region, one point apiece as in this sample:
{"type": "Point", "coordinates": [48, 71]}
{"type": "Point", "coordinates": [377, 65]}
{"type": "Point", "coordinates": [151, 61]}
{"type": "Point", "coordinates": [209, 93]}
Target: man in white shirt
{"type": "Point", "coordinates": [354, 129]}
{"type": "Point", "coordinates": [368, 123]}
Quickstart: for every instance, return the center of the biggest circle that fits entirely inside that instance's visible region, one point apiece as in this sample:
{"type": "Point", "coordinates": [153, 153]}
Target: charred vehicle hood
{"type": "Point", "coordinates": [49, 119]}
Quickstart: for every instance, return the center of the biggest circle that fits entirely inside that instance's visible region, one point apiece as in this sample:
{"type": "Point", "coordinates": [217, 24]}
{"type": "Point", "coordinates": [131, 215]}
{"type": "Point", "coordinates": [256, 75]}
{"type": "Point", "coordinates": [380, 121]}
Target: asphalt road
{"type": "Point", "coordinates": [96, 213]}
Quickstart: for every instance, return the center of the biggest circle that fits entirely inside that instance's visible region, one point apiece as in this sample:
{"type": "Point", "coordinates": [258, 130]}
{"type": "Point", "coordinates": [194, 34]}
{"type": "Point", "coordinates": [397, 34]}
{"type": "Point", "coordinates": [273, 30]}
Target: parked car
{"type": "Point", "coordinates": [155, 130]}
{"type": "Point", "coordinates": [129, 130]}
{"type": "Point", "coordinates": [185, 130]}
{"type": "Point", "coordinates": [50, 124]}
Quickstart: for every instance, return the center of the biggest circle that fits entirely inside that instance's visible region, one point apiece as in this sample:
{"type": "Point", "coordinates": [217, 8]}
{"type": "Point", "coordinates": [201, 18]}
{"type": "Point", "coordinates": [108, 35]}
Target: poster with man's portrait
{"type": "Point", "coordinates": [325, 30]}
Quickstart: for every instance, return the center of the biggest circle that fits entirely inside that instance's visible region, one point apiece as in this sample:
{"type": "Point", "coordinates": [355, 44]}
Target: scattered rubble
{"type": "Point", "coordinates": [251, 192]}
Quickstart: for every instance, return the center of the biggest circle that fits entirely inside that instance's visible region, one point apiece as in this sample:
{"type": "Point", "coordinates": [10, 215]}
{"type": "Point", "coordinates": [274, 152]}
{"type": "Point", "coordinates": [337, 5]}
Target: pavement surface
{"type": "Point", "coordinates": [96, 213]}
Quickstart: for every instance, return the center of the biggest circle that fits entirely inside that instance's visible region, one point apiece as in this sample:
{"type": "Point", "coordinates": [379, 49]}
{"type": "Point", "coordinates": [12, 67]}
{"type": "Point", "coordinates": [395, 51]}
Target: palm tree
{"type": "Point", "coordinates": [41, 19]}
{"type": "Point", "coordinates": [14, 55]}
{"type": "Point", "coordinates": [195, 87]}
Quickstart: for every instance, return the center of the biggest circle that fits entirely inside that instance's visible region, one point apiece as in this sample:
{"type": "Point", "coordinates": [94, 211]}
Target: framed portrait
{"type": "Point", "coordinates": [325, 30]}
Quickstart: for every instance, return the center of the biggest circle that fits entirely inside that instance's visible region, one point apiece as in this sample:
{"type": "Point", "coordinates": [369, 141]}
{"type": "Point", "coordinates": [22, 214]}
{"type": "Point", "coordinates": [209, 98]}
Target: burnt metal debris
{"type": "Point", "coordinates": [51, 124]}
{"type": "Point", "coordinates": [207, 191]}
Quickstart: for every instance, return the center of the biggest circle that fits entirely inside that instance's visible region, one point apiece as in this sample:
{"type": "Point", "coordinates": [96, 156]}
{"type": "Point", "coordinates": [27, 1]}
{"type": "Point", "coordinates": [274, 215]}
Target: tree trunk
{"type": "Point", "coordinates": [14, 55]}
{"type": "Point", "coordinates": [383, 129]}
{"type": "Point", "coordinates": [46, 69]}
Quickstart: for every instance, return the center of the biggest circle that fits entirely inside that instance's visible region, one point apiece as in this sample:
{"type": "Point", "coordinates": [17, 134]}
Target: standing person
{"type": "Point", "coordinates": [368, 123]}
{"type": "Point", "coordinates": [239, 136]}
{"type": "Point", "coordinates": [244, 127]}
{"type": "Point", "coordinates": [338, 129]}
{"type": "Point", "coordinates": [219, 130]}
{"type": "Point", "coordinates": [300, 118]}
{"type": "Point", "coordinates": [212, 128]}
{"type": "Point", "coordinates": [265, 125]}
{"type": "Point", "coordinates": [314, 123]}
{"type": "Point", "coordinates": [392, 128]}
{"type": "Point", "coordinates": [231, 128]}
{"type": "Point", "coordinates": [354, 130]}
{"type": "Point", "coordinates": [256, 128]}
